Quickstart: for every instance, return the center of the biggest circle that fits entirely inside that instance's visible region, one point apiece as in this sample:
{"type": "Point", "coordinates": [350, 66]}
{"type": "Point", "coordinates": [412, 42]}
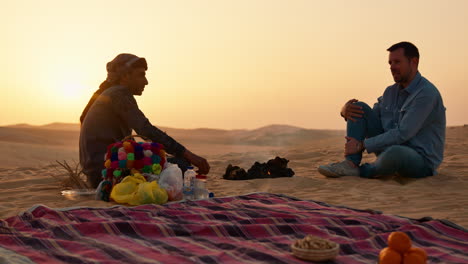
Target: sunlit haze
{"type": "Point", "coordinates": [226, 64]}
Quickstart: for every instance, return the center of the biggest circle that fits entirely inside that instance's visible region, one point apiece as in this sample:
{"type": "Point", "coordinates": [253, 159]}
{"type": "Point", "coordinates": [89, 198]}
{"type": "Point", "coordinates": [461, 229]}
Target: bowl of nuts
{"type": "Point", "coordinates": [315, 249]}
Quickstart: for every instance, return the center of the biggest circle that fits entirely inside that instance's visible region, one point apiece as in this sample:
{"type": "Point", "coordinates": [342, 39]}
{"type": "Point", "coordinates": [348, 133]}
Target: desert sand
{"type": "Point", "coordinates": [29, 173]}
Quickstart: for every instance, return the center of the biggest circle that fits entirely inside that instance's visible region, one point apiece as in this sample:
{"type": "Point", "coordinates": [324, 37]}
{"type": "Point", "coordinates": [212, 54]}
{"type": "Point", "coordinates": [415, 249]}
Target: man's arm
{"type": "Point", "coordinates": [199, 162]}
{"type": "Point", "coordinates": [128, 110]}
{"type": "Point", "coordinates": [413, 120]}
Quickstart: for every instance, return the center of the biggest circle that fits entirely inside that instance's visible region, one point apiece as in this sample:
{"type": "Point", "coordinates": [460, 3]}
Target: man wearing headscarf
{"type": "Point", "coordinates": [112, 113]}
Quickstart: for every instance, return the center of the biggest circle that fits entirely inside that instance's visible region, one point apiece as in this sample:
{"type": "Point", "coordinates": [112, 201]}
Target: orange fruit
{"type": "Point", "coordinates": [399, 241]}
{"type": "Point", "coordinates": [413, 257]}
{"type": "Point", "coordinates": [418, 251]}
{"type": "Point", "coordinates": [389, 256]}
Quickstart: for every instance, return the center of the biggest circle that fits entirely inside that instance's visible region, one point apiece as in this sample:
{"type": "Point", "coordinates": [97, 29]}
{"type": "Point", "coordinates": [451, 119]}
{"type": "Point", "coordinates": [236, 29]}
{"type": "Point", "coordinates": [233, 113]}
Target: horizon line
{"type": "Point", "coordinates": [28, 125]}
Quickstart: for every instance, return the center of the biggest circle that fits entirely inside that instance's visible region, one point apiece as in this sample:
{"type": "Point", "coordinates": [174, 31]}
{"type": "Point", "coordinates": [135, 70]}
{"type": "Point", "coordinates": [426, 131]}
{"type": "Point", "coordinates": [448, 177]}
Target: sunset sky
{"type": "Point", "coordinates": [226, 64]}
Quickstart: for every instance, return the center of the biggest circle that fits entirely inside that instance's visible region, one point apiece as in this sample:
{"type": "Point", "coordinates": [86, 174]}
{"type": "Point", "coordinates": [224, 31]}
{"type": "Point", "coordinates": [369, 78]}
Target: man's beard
{"type": "Point", "coordinates": [401, 78]}
{"type": "Point", "coordinates": [137, 91]}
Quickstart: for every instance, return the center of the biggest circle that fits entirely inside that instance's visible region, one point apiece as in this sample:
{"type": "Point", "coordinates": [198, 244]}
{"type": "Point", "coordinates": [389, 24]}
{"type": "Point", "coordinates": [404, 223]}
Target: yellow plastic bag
{"type": "Point", "coordinates": [124, 191]}
{"type": "Point", "coordinates": [135, 190]}
{"type": "Point", "coordinates": [149, 192]}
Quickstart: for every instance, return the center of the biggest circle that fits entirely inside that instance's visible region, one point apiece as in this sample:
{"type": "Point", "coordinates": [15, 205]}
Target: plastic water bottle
{"type": "Point", "coordinates": [200, 187]}
{"type": "Point", "coordinates": [189, 180]}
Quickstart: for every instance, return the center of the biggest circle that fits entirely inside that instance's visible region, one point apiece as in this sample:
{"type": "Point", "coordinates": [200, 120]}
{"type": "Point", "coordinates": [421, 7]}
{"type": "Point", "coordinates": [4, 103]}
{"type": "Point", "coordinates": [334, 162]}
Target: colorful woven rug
{"type": "Point", "coordinates": [252, 228]}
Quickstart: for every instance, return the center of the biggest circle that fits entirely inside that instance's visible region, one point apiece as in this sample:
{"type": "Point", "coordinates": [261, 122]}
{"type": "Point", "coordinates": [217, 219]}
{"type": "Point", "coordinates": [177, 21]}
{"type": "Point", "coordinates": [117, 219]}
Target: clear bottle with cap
{"type": "Point", "coordinates": [189, 182]}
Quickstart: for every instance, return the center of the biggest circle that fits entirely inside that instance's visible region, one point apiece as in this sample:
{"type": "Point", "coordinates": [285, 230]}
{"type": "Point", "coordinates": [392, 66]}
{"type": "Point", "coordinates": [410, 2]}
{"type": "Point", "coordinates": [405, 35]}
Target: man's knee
{"type": "Point", "coordinates": [365, 107]}
{"type": "Point", "coordinates": [93, 176]}
{"type": "Point", "coordinates": [403, 160]}
{"type": "Point", "coordinates": [398, 152]}
{"type": "Point", "coordinates": [367, 111]}
{"type": "Point", "coordinates": [392, 157]}
{"type": "Point", "coordinates": [93, 180]}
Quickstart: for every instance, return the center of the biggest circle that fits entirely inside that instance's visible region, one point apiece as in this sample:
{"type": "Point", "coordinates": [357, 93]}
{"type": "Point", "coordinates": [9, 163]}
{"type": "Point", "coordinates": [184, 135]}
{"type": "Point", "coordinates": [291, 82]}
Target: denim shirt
{"type": "Point", "coordinates": [413, 117]}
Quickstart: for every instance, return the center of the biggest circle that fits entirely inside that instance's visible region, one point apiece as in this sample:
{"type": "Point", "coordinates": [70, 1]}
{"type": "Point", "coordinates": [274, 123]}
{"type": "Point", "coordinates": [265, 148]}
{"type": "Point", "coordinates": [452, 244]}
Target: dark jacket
{"type": "Point", "coordinates": [111, 118]}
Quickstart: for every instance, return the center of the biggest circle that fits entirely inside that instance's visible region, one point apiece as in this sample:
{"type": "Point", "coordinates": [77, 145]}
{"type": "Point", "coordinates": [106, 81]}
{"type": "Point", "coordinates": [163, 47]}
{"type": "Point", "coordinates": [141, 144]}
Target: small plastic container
{"type": "Point", "coordinates": [200, 187]}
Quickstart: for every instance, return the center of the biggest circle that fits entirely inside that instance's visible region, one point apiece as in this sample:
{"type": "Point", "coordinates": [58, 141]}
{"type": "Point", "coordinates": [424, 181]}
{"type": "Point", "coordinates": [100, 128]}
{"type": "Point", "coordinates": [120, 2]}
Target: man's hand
{"type": "Point", "coordinates": [353, 146]}
{"type": "Point", "coordinates": [199, 162]}
{"type": "Point", "coordinates": [351, 110]}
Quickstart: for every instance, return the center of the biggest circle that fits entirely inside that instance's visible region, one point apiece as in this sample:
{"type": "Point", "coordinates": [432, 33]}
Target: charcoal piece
{"type": "Point", "coordinates": [274, 168]}
{"type": "Point", "coordinates": [235, 173]}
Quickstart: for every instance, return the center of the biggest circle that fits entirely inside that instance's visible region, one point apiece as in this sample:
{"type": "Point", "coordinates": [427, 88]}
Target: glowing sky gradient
{"type": "Point", "coordinates": [226, 64]}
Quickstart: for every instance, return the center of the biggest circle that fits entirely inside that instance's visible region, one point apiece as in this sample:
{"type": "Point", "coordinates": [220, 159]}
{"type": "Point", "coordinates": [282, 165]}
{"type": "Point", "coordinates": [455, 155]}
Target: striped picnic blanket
{"type": "Point", "coordinates": [252, 228]}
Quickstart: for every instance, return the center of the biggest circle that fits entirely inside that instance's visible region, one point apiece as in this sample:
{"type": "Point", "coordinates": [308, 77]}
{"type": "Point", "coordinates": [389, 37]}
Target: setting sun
{"type": "Point", "coordinates": [72, 90]}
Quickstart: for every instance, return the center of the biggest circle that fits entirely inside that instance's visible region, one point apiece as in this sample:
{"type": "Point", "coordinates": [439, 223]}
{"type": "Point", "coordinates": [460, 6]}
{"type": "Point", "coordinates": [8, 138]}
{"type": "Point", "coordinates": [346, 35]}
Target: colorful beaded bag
{"type": "Point", "coordinates": [127, 157]}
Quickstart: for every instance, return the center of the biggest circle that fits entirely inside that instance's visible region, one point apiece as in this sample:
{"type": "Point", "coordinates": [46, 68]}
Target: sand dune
{"type": "Point", "coordinates": [29, 172]}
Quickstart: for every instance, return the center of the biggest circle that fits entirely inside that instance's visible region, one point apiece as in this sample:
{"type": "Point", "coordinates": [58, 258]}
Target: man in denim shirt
{"type": "Point", "coordinates": [405, 128]}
